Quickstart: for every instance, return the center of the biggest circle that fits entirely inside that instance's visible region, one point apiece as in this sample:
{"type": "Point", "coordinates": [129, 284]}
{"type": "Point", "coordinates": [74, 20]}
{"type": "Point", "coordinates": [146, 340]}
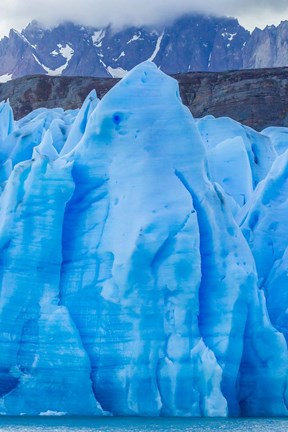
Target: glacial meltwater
{"type": "Point", "coordinates": [89, 424]}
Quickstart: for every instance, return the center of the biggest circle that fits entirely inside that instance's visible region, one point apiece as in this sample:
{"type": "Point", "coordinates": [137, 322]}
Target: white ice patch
{"type": "Point", "coordinates": [102, 62]}
{"type": "Point", "coordinates": [5, 78]}
{"type": "Point", "coordinates": [116, 72]}
{"type": "Point", "coordinates": [135, 38]}
{"type": "Point", "coordinates": [121, 55]}
{"type": "Point", "coordinates": [157, 48]}
{"type": "Point", "coordinates": [66, 51]}
{"type": "Point", "coordinates": [229, 36]}
{"type": "Point", "coordinates": [20, 35]}
{"type": "Point", "coordinates": [98, 37]}
{"type": "Point", "coordinates": [53, 413]}
{"type": "Point", "coordinates": [209, 60]}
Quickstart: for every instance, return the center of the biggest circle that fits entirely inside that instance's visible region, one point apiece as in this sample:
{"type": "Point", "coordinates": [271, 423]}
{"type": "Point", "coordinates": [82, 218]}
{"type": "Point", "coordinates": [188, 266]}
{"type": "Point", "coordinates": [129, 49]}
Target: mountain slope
{"type": "Point", "coordinates": [267, 48]}
{"type": "Point", "coordinates": [191, 43]}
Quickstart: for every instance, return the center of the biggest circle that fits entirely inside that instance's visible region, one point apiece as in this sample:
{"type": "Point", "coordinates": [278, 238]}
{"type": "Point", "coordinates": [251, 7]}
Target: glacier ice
{"type": "Point", "coordinates": [264, 226]}
{"type": "Point", "coordinates": [143, 259]}
{"type": "Point", "coordinates": [279, 138]}
{"type": "Point", "coordinates": [238, 157]}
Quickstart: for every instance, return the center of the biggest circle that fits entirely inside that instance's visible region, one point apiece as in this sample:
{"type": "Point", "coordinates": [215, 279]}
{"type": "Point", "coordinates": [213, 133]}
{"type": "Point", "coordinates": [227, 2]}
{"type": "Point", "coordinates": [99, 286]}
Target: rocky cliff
{"type": "Point", "coordinates": [257, 98]}
{"type": "Point", "coordinates": [267, 48]}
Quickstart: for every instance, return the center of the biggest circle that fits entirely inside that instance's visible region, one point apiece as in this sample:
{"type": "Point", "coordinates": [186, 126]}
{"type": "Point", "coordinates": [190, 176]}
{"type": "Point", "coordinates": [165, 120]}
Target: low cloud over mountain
{"type": "Point", "coordinates": [130, 12]}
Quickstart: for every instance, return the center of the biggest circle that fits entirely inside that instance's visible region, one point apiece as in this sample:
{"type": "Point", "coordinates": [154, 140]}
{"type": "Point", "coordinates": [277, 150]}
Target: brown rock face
{"type": "Point", "coordinates": [257, 98]}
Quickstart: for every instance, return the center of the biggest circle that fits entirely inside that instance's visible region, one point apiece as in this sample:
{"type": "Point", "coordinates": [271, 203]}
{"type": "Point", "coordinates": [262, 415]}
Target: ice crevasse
{"type": "Point", "coordinates": [143, 269]}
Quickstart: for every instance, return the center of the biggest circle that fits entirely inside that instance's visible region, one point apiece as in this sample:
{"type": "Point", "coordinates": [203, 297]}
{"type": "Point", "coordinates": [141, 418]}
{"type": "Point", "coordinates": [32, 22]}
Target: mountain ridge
{"type": "Point", "coordinates": [191, 43]}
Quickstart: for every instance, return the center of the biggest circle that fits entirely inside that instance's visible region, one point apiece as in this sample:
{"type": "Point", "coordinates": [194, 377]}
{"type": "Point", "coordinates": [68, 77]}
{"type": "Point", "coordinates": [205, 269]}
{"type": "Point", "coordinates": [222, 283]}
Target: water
{"type": "Point", "coordinates": [20, 424]}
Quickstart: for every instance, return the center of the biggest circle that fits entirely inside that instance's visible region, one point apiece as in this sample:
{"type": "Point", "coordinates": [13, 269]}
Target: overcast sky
{"type": "Point", "coordinates": [251, 13]}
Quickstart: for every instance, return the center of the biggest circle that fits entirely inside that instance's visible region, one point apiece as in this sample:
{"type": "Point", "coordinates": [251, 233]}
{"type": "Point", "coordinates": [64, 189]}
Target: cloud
{"type": "Point", "coordinates": [17, 13]}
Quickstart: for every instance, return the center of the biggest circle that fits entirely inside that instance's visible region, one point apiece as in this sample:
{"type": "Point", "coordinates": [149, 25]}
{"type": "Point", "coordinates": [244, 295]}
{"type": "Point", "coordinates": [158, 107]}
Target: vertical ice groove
{"type": "Point", "coordinates": [79, 124]}
{"type": "Point", "coordinates": [228, 141]}
{"type": "Point", "coordinates": [143, 213]}
{"type": "Point", "coordinates": [30, 316]}
{"type": "Point", "coordinates": [127, 286]}
{"type": "Point", "coordinates": [229, 279]}
{"type": "Point", "coordinates": [223, 335]}
{"type": "Point", "coordinates": [264, 226]}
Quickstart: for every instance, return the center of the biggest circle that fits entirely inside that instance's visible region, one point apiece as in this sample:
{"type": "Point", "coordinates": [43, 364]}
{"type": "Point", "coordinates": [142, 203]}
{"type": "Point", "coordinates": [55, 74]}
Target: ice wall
{"type": "Point", "coordinates": [128, 284]}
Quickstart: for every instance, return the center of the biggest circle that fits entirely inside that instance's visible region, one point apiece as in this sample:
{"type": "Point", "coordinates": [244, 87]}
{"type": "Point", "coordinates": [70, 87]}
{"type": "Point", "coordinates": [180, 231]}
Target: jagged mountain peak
{"type": "Point", "coordinates": [191, 43]}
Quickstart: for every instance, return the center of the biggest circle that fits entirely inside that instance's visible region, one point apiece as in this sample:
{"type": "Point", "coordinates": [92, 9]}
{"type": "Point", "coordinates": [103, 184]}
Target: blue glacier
{"type": "Point", "coordinates": [143, 259]}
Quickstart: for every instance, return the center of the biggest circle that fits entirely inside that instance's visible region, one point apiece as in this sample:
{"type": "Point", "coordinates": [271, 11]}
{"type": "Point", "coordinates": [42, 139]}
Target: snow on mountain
{"type": "Point", "coordinates": [190, 43]}
{"type": "Point", "coordinates": [128, 284]}
{"type": "Point", "coordinates": [5, 78]}
{"type": "Point", "coordinates": [66, 52]}
{"type": "Point", "coordinates": [116, 72]}
{"type": "Point", "coordinates": [97, 37]}
{"type": "Point", "coordinates": [157, 48]}
{"type": "Point", "coordinates": [106, 52]}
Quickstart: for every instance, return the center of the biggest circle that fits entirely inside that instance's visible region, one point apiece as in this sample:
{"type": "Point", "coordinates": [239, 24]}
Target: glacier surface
{"type": "Point", "coordinates": [143, 260]}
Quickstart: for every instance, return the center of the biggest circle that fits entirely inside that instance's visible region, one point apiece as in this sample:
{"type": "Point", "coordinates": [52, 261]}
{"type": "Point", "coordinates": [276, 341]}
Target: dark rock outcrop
{"type": "Point", "coordinates": [257, 98]}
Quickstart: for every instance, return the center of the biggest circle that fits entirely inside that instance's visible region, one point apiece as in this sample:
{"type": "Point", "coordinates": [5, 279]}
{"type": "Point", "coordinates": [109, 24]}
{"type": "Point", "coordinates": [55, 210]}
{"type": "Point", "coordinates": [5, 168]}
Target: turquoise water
{"type": "Point", "coordinates": [9, 424]}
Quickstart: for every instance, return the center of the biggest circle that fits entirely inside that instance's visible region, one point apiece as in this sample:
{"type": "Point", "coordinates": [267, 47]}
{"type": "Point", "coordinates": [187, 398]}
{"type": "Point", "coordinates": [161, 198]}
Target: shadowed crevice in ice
{"type": "Point", "coordinates": [127, 286]}
{"type": "Point", "coordinates": [264, 224]}
{"type": "Point", "coordinates": [38, 339]}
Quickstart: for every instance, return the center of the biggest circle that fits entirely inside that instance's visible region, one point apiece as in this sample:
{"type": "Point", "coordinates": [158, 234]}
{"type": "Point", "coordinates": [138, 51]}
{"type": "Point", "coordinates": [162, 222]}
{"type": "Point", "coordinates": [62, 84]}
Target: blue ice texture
{"type": "Point", "coordinates": [144, 259]}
